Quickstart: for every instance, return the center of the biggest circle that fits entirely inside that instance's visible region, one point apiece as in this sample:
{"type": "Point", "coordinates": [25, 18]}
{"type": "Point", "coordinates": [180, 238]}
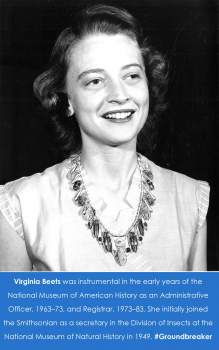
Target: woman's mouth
{"type": "Point", "coordinates": [118, 116]}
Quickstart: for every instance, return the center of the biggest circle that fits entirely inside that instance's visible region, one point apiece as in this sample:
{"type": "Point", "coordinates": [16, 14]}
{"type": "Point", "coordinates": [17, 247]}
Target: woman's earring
{"type": "Point", "coordinates": [70, 110]}
{"type": "Point", "coordinates": [53, 101]}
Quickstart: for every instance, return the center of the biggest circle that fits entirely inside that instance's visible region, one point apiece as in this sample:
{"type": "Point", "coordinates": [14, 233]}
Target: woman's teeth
{"type": "Point", "coordinates": [120, 115]}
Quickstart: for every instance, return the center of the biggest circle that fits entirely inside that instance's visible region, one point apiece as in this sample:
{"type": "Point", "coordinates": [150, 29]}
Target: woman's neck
{"type": "Point", "coordinates": [110, 167]}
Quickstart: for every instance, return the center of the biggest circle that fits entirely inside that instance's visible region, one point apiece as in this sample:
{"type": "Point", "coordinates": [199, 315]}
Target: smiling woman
{"type": "Point", "coordinates": [106, 89]}
{"type": "Point", "coordinates": [105, 207]}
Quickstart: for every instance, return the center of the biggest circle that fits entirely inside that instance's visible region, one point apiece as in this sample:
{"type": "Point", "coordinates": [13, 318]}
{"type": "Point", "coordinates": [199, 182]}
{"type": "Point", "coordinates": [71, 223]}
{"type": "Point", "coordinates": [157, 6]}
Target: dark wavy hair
{"type": "Point", "coordinates": [49, 87]}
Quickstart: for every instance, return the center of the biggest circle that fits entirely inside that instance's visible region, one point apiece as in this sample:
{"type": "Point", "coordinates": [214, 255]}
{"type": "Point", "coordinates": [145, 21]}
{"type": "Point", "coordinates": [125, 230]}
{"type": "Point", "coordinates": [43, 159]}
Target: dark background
{"type": "Point", "coordinates": [184, 30]}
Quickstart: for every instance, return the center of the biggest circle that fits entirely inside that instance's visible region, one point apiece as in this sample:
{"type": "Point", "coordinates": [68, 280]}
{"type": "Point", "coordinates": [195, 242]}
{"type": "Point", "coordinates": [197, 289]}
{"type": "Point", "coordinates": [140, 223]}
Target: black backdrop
{"type": "Point", "coordinates": [184, 30]}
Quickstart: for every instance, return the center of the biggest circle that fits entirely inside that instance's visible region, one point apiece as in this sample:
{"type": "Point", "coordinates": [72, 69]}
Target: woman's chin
{"type": "Point", "coordinates": [120, 142]}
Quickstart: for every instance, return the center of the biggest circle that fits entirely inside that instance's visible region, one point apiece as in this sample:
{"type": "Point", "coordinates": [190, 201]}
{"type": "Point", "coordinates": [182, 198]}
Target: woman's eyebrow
{"type": "Point", "coordinates": [133, 65]}
{"type": "Point", "coordinates": [95, 70]}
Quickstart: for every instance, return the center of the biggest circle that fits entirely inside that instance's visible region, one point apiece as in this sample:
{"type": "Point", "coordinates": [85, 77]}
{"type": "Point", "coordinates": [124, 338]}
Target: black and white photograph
{"type": "Point", "coordinates": [108, 136]}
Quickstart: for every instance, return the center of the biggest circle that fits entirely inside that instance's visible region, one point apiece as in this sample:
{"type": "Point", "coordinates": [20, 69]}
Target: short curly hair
{"type": "Point", "coordinates": [49, 87]}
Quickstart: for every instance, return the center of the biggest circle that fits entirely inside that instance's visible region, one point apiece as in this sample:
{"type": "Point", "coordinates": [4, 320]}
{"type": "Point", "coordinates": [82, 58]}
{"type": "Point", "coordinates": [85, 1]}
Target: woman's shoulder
{"type": "Point", "coordinates": [175, 180]}
{"type": "Point", "coordinates": [52, 176]}
{"type": "Point", "coordinates": [27, 193]}
{"type": "Point", "coordinates": [190, 194]}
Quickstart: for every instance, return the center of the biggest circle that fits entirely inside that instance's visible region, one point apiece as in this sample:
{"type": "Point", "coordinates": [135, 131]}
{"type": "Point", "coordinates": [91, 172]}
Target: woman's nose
{"type": "Point", "coordinates": [117, 93]}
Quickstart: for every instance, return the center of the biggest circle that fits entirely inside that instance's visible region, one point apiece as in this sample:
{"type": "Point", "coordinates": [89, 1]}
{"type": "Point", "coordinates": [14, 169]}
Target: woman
{"type": "Point", "coordinates": [106, 207]}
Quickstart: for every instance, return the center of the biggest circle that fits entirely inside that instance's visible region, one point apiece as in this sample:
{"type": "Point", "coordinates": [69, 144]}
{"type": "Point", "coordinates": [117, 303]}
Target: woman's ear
{"type": "Point", "coordinates": [70, 111]}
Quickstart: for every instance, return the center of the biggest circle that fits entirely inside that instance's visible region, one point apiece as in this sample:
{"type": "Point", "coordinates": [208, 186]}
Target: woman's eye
{"type": "Point", "coordinates": [133, 76]}
{"type": "Point", "coordinates": [94, 82]}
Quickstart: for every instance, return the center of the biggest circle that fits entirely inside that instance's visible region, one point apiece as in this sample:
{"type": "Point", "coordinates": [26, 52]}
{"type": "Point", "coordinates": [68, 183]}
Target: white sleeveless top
{"type": "Point", "coordinates": [41, 211]}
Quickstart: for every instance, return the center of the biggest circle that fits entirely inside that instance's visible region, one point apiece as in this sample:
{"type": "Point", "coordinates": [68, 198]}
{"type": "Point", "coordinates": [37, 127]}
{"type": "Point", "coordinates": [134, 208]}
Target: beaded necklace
{"type": "Point", "coordinates": [120, 246]}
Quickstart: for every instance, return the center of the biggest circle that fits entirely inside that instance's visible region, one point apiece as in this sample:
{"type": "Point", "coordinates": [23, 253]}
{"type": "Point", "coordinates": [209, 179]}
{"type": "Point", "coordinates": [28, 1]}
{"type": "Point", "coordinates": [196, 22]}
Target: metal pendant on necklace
{"type": "Point", "coordinates": [120, 254]}
{"type": "Point", "coordinates": [107, 243]}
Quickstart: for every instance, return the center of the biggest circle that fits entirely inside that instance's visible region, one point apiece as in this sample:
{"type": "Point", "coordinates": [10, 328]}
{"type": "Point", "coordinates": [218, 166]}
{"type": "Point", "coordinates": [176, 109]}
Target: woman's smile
{"type": "Point", "coordinates": [107, 88]}
{"type": "Point", "coordinates": [123, 115]}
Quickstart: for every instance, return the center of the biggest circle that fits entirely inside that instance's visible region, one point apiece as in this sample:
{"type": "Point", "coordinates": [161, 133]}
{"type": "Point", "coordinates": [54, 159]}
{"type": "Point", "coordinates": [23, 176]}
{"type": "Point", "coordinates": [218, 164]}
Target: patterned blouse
{"type": "Point", "coordinates": [41, 210]}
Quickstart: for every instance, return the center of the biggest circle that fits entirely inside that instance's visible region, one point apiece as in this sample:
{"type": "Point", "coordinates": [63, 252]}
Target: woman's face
{"type": "Point", "coordinates": [107, 88]}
